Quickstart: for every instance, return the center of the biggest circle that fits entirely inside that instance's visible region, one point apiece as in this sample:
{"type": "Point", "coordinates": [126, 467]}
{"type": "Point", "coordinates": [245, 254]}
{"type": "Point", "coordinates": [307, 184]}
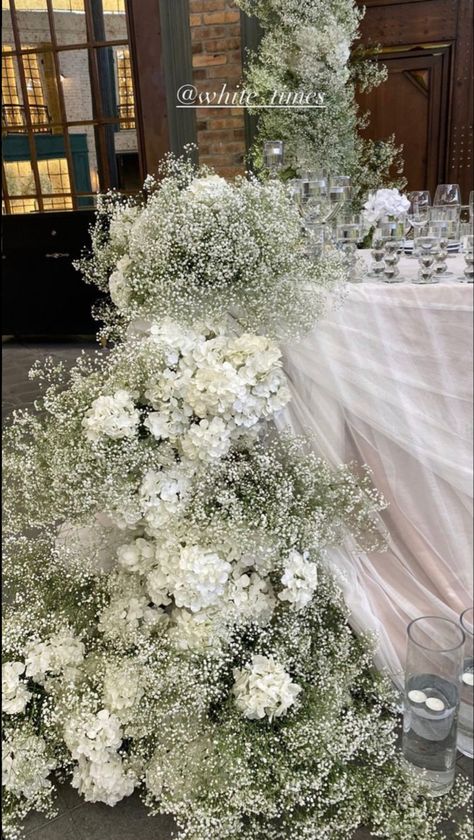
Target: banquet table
{"type": "Point", "coordinates": [385, 379]}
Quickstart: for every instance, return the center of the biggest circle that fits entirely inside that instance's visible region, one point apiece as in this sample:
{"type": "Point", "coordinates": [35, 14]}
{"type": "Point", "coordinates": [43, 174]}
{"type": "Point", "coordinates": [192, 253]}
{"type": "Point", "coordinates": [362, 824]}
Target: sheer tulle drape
{"type": "Point", "coordinates": [386, 380]}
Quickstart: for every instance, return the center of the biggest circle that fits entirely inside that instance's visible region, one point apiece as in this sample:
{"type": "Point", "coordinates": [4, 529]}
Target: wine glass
{"type": "Point", "coordinates": [448, 195]}
{"type": "Point", "coordinates": [273, 156]}
{"type": "Point", "coordinates": [315, 200]}
{"type": "Point", "coordinates": [419, 211]}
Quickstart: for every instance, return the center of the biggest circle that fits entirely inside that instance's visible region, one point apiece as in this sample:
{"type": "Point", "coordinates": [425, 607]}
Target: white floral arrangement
{"type": "Point", "coordinates": [306, 49]}
{"type": "Point", "coordinates": [173, 626]}
{"type": "Point", "coordinates": [199, 249]}
{"type": "Point", "coordinates": [385, 203]}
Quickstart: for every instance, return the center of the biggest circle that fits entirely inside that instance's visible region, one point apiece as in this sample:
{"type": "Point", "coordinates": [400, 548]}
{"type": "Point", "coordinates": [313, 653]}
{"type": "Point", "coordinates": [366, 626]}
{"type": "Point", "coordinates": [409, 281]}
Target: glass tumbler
{"type": "Point", "coordinates": [466, 711]}
{"type": "Point", "coordinates": [434, 666]}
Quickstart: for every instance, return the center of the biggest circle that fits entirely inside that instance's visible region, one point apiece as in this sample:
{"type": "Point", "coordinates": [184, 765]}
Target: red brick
{"type": "Point", "coordinates": [206, 5]}
{"type": "Point", "coordinates": [232, 71]}
{"type": "Point", "coordinates": [221, 17]}
{"type": "Point", "coordinates": [199, 74]}
{"type": "Point", "coordinates": [222, 44]}
{"type": "Point", "coordinates": [197, 48]}
{"type": "Point", "coordinates": [206, 60]}
{"type": "Point", "coordinates": [195, 20]}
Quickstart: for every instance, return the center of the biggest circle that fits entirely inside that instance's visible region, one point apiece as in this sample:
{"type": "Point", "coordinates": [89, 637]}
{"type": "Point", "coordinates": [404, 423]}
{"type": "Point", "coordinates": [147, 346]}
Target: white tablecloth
{"type": "Point", "coordinates": [386, 380]}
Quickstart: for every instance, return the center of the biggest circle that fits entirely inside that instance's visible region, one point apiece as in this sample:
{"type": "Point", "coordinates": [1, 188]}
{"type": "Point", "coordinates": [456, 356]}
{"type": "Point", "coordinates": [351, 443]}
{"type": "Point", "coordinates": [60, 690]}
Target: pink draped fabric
{"type": "Point", "coordinates": [386, 380]}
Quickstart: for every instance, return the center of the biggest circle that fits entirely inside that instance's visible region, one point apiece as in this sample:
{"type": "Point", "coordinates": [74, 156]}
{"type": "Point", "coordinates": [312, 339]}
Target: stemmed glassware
{"type": "Point", "coordinates": [419, 211]}
{"type": "Point", "coordinates": [340, 190]}
{"type": "Point", "coordinates": [348, 234]}
{"type": "Point", "coordinates": [393, 235]}
{"type": "Point", "coordinates": [427, 249]}
{"type": "Point", "coordinates": [447, 195]}
{"type": "Point", "coordinates": [468, 252]}
{"type": "Point", "coordinates": [273, 156]}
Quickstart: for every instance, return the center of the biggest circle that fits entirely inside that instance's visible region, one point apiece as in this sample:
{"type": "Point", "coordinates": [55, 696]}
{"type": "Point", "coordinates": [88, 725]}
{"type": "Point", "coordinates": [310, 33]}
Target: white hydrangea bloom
{"type": "Point", "coordinates": [15, 694]}
{"type": "Point", "coordinates": [214, 389]}
{"type": "Point", "coordinates": [94, 736]}
{"type": "Point", "coordinates": [125, 615]}
{"type": "Point", "coordinates": [385, 202]}
{"type": "Point", "coordinates": [209, 189]}
{"type": "Point", "coordinates": [197, 577]}
{"type": "Point", "coordinates": [25, 764]}
{"type": "Point", "coordinates": [264, 689]}
{"type": "Point", "coordinates": [252, 597]}
{"type": "Point", "coordinates": [300, 579]}
{"type": "Point", "coordinates": [138, 556]}
{"type": "Point", "coordinates": [158, 588]}
{"type": "Point", "coordinates": [162, 493]}
{"type": "Point", "coordinates": [122, 689]}
{"type": "Point", "coordinates": [105, 781]}
{"type": "Point", "coordinates": [62, 653]}
{"type": "Point", "coordinates": [193, 631]}
{"type": "Point", "coordinates": [207, 440]}
{"type": "Point", "coordinates": [114, 416]}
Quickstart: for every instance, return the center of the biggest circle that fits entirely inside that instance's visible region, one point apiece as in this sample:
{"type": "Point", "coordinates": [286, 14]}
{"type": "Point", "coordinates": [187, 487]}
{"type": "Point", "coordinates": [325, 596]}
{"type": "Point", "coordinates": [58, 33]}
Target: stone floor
{"type": "Point", "coordinates": [77, 820]}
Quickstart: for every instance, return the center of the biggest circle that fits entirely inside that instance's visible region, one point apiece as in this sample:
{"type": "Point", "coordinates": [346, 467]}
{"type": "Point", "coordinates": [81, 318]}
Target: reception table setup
{"type": "Point", "coordinates": [386, 380]}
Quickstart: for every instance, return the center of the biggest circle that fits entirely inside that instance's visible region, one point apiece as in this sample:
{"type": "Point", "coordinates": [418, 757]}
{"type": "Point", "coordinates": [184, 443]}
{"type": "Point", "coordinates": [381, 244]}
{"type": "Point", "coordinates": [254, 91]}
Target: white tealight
{"type": "Point", "coordinates": [435, 705]}
{"type": "Point", "coordinates": [468, 678]}
{"type": "Point", "coordinates": [417, 696]}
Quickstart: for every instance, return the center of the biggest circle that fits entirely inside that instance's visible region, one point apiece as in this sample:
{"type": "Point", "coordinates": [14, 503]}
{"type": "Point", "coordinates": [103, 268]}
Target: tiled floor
{"type": "Point", "coordinates": [77, 820]}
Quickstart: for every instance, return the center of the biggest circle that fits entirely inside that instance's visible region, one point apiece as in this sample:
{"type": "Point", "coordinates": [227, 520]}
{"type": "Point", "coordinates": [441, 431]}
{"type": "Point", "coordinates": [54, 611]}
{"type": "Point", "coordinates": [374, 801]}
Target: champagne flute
{"type": "Point", "coordinates": [448, 195]}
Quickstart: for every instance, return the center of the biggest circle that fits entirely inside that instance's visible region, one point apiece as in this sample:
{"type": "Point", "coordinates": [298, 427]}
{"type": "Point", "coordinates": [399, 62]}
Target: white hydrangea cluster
{"type": "Point", "coordinates": [252, 597]}
{"type": "Point", "coordinates": [93, 741]}
{"type": "Point", "coordinates": [15, 694]}
{"type": "Point", "coordinates": [264, 689]}
{"type": "Point", "coordinates": [26, 764]}
{"type": "Point", "coordinates": [163, 495]}
{"type": "Point", "coordinates": [122, 689]}
{"type": "Point", "coordinates": [300, 579]}
{"type": "Point", "coordinates": [114, 416]}
{"type": "Point", "coordinates": [211, 391]}
{"type": "Point", "coordinates": [62, 653]}
{"type": "Point", "coordinates": [385, 203]}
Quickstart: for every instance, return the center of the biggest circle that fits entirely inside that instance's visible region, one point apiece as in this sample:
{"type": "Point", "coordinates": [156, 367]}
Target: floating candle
{"type": "Point", "coordinates": [435, 705]}
{"type": "Point", "coordinates": [468, 678]}
{"type": "Point", "coordinates": [417, 696]}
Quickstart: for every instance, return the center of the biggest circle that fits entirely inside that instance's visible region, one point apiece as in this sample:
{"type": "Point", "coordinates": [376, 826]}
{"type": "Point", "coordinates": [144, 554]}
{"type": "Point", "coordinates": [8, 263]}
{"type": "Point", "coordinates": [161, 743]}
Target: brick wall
{"type": "Point", "coordinates": [217, 60]}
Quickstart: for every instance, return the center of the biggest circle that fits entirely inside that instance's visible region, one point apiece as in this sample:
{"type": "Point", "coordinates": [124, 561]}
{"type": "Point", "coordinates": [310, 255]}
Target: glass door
{"type": "Point", "coordinates": [68, 104]}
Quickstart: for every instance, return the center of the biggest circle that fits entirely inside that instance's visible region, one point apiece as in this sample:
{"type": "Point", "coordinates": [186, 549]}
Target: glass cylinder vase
{"type": "Point", "coordinates": [435, 658]}
{"type": "Point", "coordinates": [466, 711]}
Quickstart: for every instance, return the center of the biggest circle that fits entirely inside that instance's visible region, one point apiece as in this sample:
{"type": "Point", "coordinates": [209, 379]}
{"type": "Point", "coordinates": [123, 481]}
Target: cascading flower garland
{"type": "Point", "coordinates": [171, 624]}
{"type": "Point", "coordinates": [306, 50]}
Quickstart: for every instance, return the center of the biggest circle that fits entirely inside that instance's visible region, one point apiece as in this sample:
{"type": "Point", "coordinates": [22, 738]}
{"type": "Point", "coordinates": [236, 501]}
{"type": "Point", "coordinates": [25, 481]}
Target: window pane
{"type": "Point", "coordinates": [70, 21]}
{"type": "Point", "coordinates": [115, 21]}
{"type": "Point", "coordinates": [20, 178]}
{"type": "Point", "coordinates": [76, 86]}
{"type": "Point", "coordinates": [24, 205]}
{"type": "Point", "coordinates": [124, 84]}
